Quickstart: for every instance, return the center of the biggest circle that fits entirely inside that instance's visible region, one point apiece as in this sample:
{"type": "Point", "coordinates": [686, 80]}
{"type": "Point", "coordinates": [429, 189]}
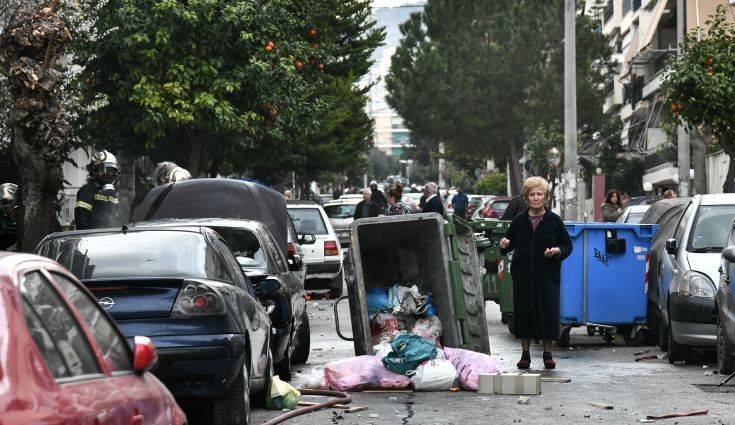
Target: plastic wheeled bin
{"type": "Point", "coordinates": [603, 282]}
{"type": "Point", "coordinates": [497, 283]}
{"type": "Point", "coordinates": [441, 256]}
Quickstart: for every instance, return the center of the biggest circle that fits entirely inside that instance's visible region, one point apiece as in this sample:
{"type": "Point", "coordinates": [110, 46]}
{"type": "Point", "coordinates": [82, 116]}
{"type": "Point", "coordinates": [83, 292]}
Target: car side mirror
{"type": "Point", "coordinates": [729, 254]}
{"type": "Point", "coordinates": [307, 239]}
{"type": "Point", "coordinates": [671, 246]}
{"type": "Point", "coordinates": [144, 355]}
{"type": "Point", "coordinates": [269, 286]}
{"type": "Point", "coordinates": [295, 263]}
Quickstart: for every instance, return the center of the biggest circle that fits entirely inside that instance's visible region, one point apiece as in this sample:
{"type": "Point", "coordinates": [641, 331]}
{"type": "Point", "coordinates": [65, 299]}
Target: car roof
{"type": "Point", "coordinates": [125, 229]}
{"type": "Point", "coordinates": [658, 209]}
{"type": "Point", "coordinates": [302, 204]}
{"type": "Point", "coordinates": [340, 201]}
{"type": "Point", "coordinates": [201, 222]}
{"type": "Point", "coordinates": [638, 208]}
{"type": "Point", "coordinates": [718, 199]}
{"type": "Point", "coordinates": [298, 202]}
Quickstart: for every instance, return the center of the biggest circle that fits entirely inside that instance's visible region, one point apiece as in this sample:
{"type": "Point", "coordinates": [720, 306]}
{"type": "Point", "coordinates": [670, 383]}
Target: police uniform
{"type": "Point", "coordinates": [95, 209]}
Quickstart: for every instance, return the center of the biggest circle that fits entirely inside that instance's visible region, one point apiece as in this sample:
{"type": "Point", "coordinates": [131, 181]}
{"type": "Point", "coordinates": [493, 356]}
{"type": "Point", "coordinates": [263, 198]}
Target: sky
{"type": "Point", "coordinates": [395, 3]}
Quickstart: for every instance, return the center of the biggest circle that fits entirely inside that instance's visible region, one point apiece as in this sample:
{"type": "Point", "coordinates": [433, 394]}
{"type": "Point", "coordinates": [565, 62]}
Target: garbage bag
{"type": "Point", "coordinates": [312, 379]}
{"type": "Point", "coordinates": [383, 327]}
{"type": "Point", "coordinates": [434, 375]}
{"type": "Point", "coordinates": [381, 350]}
{"type": "Point", "coordinates": [427, 309]}
{"type": "Point", "coordinates": [409, 351]}
{"type": "Point", "coordinates": [429, 328]}
{"type": "Point", "coordinates": [362, 373]}
{"type": "Point", "coordinates": [282, 395]}
{"type": "Point", "coordinates": [470, 365]}
{"type": "Point", "coordinates": [377, 300]}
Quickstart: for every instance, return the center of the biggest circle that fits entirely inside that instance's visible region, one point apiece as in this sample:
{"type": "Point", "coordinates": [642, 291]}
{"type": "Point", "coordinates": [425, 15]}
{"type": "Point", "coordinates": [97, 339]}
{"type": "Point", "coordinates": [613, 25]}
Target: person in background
{"type": "Point", "coordinates": [516, 206]}
{"type": "Point", "coordinates": [337, 192]}
{"type": "Point", "coordinates": [414, 189]}
{"type": "Point", "coordinates": [97, 204]}
{"type": "Point", "coordinates": [169, 172]}
{"type": "Point", "coordinates": [433, 202]}
{"type": "Point", "coordinates": [9, 215]}
{"type": "Point", "coordinates": [395, 205]}
{"type": "Point", "coordinates": [288, 194]}
{"type": "Point", "coordinates": [378, 196]}
{"type": "Point", "coordinates": [459, 203]}
{"type": "Point", "coordinates": [669, 194]}
{"type": "Point", "coordinates": [540, 243]}
{"type": "Point", "coordinates": [612, 207]}
{"type": "Point", "coordinates": [366, 208]}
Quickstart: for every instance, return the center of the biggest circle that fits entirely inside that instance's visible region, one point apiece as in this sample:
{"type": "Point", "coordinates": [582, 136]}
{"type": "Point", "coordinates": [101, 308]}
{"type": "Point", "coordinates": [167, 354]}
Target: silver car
{"type": "Point", "coordinates": [341, 212]}
{"type": "Point", "coordinates": [688, 275]}
{"type": "Point", "coordinates": [632, 214]}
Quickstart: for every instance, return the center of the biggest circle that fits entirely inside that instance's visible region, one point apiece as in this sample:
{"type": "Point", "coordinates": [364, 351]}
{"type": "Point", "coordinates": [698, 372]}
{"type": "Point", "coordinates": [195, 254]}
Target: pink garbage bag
{"type": "Point", "coordinates": [470, 365]}
{"type": "Point", "coordinates": [362, 373]}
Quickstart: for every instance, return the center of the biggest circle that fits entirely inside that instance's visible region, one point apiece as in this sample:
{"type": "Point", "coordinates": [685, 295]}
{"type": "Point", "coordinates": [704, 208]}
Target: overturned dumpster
{"type": "Point", "coordinates": [421, 249]}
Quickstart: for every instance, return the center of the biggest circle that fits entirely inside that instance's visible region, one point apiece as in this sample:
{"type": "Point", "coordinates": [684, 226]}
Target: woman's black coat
{"type": "Point", "coordinates": [536, 278]}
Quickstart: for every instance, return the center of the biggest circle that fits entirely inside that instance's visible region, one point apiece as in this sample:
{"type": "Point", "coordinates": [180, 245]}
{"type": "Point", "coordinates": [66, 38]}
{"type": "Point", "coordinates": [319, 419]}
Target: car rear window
{"type": "Point", "coordinates": [340, 211]}
{"type": "Point", "coordinates": [634, 217]}
{"type": "Point", "coordinates": [500, 205]}
{"type": "Point", "coordinates": [136, 254]}
{"type": "Point", "coordinates": [308, 220]}
{"type": "Point", "coordinates": [243, 243]}
{"type": "Point", "coordinates": [711, 227]}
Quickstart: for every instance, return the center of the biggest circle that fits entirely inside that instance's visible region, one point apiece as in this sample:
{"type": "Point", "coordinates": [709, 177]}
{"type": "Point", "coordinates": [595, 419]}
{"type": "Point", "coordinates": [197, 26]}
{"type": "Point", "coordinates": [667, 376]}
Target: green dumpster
{"type": "Point", "coordinates": [497, 283]}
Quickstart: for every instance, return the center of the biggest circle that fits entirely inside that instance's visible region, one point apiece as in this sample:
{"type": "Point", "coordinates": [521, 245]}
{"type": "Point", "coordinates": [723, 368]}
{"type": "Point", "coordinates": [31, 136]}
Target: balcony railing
{"type": "Point", "coordinates": [607, 13]}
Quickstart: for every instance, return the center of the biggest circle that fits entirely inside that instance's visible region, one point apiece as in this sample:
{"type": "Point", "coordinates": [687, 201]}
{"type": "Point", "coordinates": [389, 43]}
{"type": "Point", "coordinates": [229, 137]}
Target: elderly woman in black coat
{"type": "Point", "coordinates": [541, 242]}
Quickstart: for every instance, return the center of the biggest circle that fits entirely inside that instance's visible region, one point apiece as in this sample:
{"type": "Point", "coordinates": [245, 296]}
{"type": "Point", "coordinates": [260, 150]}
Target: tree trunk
{"type": "Point", "coordinates": [196, 145]}
{"type": "Point", "coordinates": [699, 142]}
{"type": "Point", "coordinates": [516, 169]}
{"type": "Point", "coordinates": [29, 47]}
{"type": "Point", "coordinates": [729, 147]}
{"type": "Point", "coordinates": [126, 186]}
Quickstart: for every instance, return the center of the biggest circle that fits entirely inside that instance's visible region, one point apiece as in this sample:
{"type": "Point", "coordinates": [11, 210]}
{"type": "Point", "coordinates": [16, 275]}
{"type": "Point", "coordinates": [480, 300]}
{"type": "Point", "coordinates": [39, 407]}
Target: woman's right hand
{"type": "Point", "coordinates": [504, 243]}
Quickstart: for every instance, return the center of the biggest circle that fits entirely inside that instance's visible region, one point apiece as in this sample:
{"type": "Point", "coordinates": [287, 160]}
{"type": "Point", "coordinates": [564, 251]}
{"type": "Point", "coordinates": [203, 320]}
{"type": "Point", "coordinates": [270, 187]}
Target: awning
{"type": "Point", "coordinates": [656, 14]}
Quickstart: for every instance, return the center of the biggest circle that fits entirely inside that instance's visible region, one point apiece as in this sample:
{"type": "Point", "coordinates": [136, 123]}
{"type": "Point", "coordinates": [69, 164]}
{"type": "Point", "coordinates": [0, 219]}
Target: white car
{"type": "Point", "coordinates": [632, 214]}
{"type": "Point", "coordinates": [323, 259]}
{"type": "Point", "coordinates": [341, 214]}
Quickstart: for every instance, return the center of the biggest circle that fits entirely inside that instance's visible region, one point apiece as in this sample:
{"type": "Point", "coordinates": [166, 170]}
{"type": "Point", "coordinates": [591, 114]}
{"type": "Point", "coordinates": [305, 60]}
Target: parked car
{"type": "Point", "coordinates": [492, 208]}
{"type": "Point", "coordinates": [256, 251]}
{"type": "Point", "coordinates": [184, 289]}
{"type": "Point", "coordinates": [341, 212]}
{"type": "Point", "coordinates": [323, 259]}
{"type": "Point", "coordinates": [725, 308]}
{"type": "Point", "coordinates": [413, 200]}
{"type": "Point", "coordinates": [688, 272]}
{"type": "Point", "coordinates": [64, 360]}
{"type": "Point", "coordinates": [474, 202]}
{"type": "Point", "coordinates": [632, 214]}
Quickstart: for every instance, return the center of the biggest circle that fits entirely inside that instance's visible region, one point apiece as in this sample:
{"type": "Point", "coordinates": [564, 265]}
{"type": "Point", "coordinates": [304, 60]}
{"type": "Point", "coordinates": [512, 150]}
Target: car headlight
{"type": "Point", "coordinates": [695, 284]}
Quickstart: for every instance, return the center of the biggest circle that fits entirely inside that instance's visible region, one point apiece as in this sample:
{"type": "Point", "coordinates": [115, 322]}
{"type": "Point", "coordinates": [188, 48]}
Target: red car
{"type": "Point", "coordinates": [64, 361]}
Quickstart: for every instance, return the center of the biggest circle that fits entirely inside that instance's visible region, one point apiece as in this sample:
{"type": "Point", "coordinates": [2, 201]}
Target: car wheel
{"type": "Point", "coordinates": [677, 352]}
{"type": "Point", "coordinates": [634, 341]}
{"type": "Point", "coordinates": [234, 407]}
{"type": "Point", "coordinates": [261, 396]}
{"type": "Point", "coordinates": [725, 359]}
{"type": "Point", "coordinates": [283, 368]}
{"type": "Point", "coordinates": [663, 334]}
{"type": "Point", "coordinates": [335, 287]}
{"type": "Point", "coordinates": [303, 341]}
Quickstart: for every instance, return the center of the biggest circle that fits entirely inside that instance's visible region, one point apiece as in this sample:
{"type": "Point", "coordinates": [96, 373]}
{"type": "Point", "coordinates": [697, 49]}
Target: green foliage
{"type": "Point", "coordinates": [475, 75]}
{"type": "Point", "coordinates": [382, 164]}
{"type": "Point", "coordinates": [544, 138]}
{"type": "Point", "coordinates": [492, 184]}
{"type": "Point", "coordinates": [699, 84]}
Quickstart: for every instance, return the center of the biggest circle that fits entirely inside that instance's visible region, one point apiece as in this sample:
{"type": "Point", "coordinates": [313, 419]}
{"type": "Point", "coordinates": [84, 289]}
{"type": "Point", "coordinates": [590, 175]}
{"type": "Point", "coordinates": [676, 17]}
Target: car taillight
{"type": "Point", "coordinates": [330, 248]}
{"type": "Point", "coordinates": [198, 299]}
{"type": "Point", "coordinates": [291, 249]}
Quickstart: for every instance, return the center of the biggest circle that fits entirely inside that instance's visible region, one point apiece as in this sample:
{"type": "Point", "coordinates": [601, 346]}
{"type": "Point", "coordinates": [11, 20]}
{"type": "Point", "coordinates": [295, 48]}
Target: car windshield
{"type": "Point", "coordinates": [634, 217]}
{"type": "Point", "coordinates": [340, 211]}
{"type": "Point", "coordinates": [475, 201]}
{"type": "Point", "coordinates": [135, 254]}
{"type": "Point", "coordinates": [243, 243]}
{"type": "Point", "coordinates": [308, 220]}
{"type": "Point", "coordinates": [711, 227]}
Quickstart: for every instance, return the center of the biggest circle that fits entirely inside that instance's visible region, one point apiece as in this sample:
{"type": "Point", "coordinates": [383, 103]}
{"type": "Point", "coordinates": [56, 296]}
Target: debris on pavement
{"type": "Point", "coordinates": [652, 357]}
{"type": "Point", "coordinates": [524, 400]}
{"type": "Point", "coordinates": [677, 415]}
{"type": "Point", "coordinates": [357, 409]}
{"type": "Point", "coordinates": [680, 362]}
{"type": "Point", "coordinates": [642, 352]}
{"type": "Point", "coordinates": [600, 405]}
{"type": "Point", "coordinates": [557, 380]}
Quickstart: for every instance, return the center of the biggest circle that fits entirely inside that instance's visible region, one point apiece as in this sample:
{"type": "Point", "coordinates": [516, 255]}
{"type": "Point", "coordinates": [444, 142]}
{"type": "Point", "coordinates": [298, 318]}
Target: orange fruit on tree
{"type": "Point", "coordinates": [709, 61]}
{"type": "Point", "coordinates": [298, 64]}
{"type": "Point", "coordinates": [312, 33]}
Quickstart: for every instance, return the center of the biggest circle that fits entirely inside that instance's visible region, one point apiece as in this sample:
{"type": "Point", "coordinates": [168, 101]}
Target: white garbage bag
{"type": "Point", "coordinates": [434, 375]}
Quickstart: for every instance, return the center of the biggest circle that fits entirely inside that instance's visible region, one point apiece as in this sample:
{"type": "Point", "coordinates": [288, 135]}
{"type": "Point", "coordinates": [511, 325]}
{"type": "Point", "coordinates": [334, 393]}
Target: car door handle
{"type": "Point", "coordinates": [137, 420]}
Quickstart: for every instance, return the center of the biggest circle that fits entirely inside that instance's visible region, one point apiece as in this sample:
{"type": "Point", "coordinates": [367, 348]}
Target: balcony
{"type": "Point", "coordinates": [614, 97]}
{"type": "Point", "coordinates": [655, 139]}
{"type": "Point", "coordinates": [652, 86]}
{"type": "Point", "coordinates": [661, 174]}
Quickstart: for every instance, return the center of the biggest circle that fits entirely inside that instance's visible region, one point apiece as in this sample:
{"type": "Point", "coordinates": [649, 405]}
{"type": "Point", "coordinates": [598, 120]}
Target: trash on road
{"type": "Point", "coordinates": [642, 352]}
{"type": "Point", "coordinates": [677, 415]}
{"type": "Point", "coordinates": [282, 395]}
{"type": "Point", "coordinates": [510, 383]}
{"type": "Point", "coordinates": [409, 351]}
{"type": "Point", "coordinates": [600, 405]}
{"type": "Point", "coordinates": [361, 373]}
{"type": "Point", "coordinates": [524, 400]}
{"type": "Point", "coordinates": [311, 379]}
{"type": "Point", "coordinates": [434, 375]}
{"type": "Point", "coordinates": [470, 365]}
{"type": "Point", "coordinates": [652, 357]}
{"type": "Point", "coordinates": [357, 409]}
{"type": "Point", "coordinates": [557, 380]}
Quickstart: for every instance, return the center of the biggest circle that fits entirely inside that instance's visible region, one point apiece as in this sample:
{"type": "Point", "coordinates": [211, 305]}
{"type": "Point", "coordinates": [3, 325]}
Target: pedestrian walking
{"type": "Point", "coordinates": [612, 207]}
{"type": "Point", "coordinates": [460, 202]}
{"type": "Point", "coordinates": [378, 196]}
{"type": "Point", "coordinates": [395, 205]}
{"type": "Point", "coordinates": [540, 243]}
{"type": "Point", "coordinates": [366, 208]}
{"type": "Point", "coordinates": [433, 201]}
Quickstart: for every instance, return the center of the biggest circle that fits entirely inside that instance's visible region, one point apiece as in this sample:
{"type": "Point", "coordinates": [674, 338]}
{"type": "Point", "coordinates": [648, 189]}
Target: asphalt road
{"type": "Point", "coordinates": [599, 372]}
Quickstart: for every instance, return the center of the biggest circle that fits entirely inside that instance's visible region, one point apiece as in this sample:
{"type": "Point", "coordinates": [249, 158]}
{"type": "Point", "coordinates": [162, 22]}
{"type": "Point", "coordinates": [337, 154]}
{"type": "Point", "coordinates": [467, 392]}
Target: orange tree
{"type": "Point", "coordinates": [700, 85]}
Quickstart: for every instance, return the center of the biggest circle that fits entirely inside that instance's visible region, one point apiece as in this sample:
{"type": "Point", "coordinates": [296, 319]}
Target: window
{"type": "Point", "coordinates": [229, 265]}
{"type": "Point", "coordinates": [214, 266]}
{"type": "Point", "coordinates": [308, 220]}
{"type": "Point", "coordinates": [710, 228]}
{"type": "Point", "coordinates": [340, 211]}
{"type": "Point", "coordinates": [58, 336]}
{"type": "Point", "coordinates": [683, 223]}
{"type": "Point", "coordinates": [113, 346]}
{"type": "Point", "coordinates": [244, 243]}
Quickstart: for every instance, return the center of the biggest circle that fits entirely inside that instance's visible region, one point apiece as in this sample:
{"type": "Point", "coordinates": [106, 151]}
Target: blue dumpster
{"type": "Point", "coordinates": [603, 283]}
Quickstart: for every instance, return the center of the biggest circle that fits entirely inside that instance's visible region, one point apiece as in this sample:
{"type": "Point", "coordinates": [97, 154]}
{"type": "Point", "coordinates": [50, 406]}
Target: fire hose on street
{"type": "Point", "coordinates": [341, 398]}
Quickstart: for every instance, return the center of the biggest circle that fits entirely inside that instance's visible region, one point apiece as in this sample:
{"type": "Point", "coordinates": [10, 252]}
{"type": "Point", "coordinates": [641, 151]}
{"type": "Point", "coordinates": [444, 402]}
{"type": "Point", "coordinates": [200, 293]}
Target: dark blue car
{"type": "Point", "coordinates": [725, 307]}
{"type": "Point", "coordinates": [183, 288]}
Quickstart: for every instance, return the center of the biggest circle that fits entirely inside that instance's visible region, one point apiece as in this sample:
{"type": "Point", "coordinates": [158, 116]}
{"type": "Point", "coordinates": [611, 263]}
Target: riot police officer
{"type": "Point", "coordinates": [9, 211]}
{"type": "Point", "coordinates": [97, 204]}
{"type": "Point", "coordinates": [169, 172]}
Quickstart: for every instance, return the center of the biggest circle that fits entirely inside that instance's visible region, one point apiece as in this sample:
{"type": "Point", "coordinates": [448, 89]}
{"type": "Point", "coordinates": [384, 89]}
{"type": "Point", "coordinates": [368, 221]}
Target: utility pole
{"type": "Point", "coordinates": [441, 182]}
{"type": "Point", "coordinates": [570, 111]}
{"type": "Point", "coordinates": [683, 155]}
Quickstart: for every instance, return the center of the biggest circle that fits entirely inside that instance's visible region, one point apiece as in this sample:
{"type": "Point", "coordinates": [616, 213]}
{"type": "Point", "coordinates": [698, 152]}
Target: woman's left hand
{"type": "Point", "coordinates": [552, 252]}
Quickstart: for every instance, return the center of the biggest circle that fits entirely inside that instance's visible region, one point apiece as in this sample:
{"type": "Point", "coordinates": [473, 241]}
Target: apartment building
{"type": "Point", "coordinates": [643, 35]}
